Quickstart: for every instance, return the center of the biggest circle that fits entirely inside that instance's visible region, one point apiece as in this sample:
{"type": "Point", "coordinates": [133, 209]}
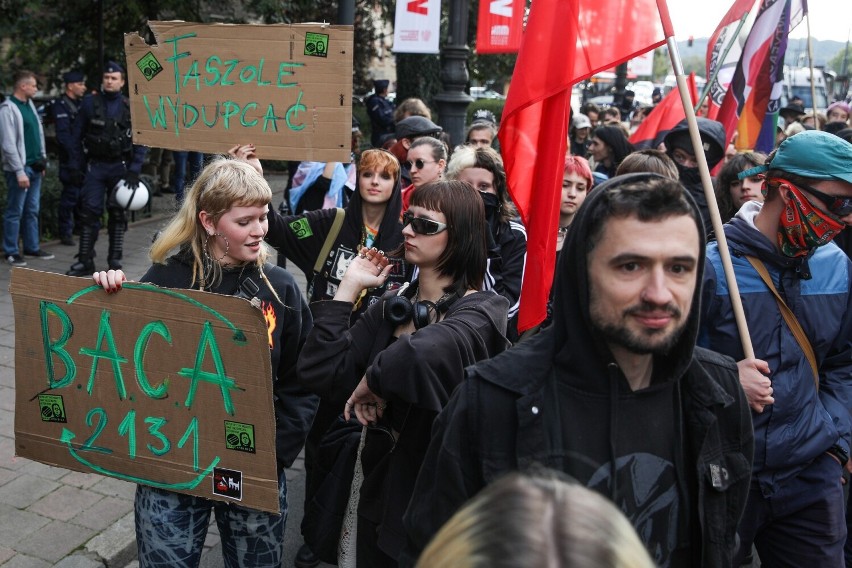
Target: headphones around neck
{"type": "Point", "coordinates": [399, 309]}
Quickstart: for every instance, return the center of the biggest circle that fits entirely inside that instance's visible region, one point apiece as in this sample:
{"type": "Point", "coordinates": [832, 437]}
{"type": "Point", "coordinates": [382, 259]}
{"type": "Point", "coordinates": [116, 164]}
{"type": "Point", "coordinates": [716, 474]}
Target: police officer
{"type": "Point", "coordinates": [63, 111]}
{"type": "Point", "coordinates": [104, 149]}
{"type": "Point", "coordinates": [380, 111]}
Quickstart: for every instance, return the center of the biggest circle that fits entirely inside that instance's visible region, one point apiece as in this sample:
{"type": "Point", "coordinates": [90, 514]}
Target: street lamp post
{"type": "Point", "coordinates": [452, 100]}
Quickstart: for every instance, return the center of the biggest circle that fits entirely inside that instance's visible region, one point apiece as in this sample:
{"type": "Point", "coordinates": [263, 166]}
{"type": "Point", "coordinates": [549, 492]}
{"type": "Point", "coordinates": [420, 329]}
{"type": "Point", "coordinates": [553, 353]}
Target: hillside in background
{"type": "Point", "coordinates": [797, 50]}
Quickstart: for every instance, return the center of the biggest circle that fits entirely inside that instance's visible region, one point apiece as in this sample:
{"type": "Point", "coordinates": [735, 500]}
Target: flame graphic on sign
{"type": "Point", "coordinates": [269, 316]}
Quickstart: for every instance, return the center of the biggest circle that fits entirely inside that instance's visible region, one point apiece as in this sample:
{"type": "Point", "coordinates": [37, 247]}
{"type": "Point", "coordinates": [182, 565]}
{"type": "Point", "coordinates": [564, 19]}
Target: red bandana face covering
{"type": "Point", "coordinates": [804, 227]}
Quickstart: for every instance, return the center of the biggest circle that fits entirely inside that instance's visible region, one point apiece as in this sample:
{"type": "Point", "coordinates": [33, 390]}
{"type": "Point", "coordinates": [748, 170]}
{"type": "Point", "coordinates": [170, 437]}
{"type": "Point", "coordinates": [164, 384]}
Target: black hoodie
{"type": "Point", "coordinates": [713, 138]}
{"type": "Point", "coordinates": [561, 400]}
{"type": "Point", "coordinates": [301, 238]}
{"type": "Point", "coordinates": [294, 407]}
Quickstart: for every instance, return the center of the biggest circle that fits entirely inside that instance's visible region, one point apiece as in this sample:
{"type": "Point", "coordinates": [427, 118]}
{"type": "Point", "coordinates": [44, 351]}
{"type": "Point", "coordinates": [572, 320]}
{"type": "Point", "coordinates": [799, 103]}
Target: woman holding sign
{"type": "Point", "coordinates": [218, 233]}
{"type": "Point", "coordinates": [402, 359]}
{"type": "Point", "coordinates": [323, 242]}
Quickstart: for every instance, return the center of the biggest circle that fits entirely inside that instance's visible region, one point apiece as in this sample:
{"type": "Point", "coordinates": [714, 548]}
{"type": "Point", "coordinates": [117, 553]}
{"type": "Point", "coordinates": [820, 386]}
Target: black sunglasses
{"type": "Point", "coordinates": [421, 225]}
{"type": "Point", "coordinates": [840, 206]}
{"type": "Point", "coordinates": [419, 163]}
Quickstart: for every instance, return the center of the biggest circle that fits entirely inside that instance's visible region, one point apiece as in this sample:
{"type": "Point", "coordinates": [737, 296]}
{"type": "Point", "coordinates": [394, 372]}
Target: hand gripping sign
{"type": "Point", "coordinates": [166, 388]}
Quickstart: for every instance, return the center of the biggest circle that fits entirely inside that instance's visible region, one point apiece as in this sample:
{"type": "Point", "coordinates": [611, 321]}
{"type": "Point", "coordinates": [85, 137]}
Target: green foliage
{"type": "Point", "coordinates": [359, 111]}
{"type": "Point", "coordinates": [419, 76]}
{"type": "Point", "coordinates": [51, 188]}
{"type": "Point", "coordinates": [662, 64]}
{"type": "Point", "coordinates": [695, 64]}
{"type": "Point", "coordinates": [836, 63]}
{"type": "Point", "coordinates": [494, 105]}
{"type": "Point", "coordinates": [51, 38]}
{"type": "Point", "coordinates": [494, 69]}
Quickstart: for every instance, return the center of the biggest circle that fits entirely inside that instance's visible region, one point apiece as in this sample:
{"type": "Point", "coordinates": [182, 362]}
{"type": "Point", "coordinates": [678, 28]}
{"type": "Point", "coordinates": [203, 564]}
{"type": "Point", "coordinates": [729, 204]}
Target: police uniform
{"type": "Point", "coordinates": [104, 150]}
{"type": "Point", "coordinates": [380, 111]}
{"type": "Point", "coordinates": [63, 112]}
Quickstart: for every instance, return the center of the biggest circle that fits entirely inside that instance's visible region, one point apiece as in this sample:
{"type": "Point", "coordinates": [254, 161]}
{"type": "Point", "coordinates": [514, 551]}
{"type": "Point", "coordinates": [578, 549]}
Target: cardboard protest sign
{"type": "Point", "coordinates": [206, 87]}
{"type": "Point", "coordinates": [167, 388]}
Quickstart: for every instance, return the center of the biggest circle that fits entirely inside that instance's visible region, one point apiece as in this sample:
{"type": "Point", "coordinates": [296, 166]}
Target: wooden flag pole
{"type": "Point", "coordinates": [814, 108]}
{"type": "Point", "coordinates": [706, 182]}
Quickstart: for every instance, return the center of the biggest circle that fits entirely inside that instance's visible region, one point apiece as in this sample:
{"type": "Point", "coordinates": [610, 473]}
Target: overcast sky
{"type": "Point", "coordinates": [699, 19]}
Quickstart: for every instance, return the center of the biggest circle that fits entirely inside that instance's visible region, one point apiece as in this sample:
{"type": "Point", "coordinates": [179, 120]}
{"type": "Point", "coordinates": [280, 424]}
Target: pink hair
{"type": "Point", "coordinates": [579, 166]}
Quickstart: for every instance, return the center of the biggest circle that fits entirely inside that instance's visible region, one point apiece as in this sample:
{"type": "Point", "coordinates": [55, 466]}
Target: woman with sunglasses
{"type": "Point", "coordinates": [401, 360]}
{"type": "Point", "coordinates": [427, 158]}
{"type": "Point", "coordinates": [370, 219]}
{"type": "Point", "coordinates": [217, 236]}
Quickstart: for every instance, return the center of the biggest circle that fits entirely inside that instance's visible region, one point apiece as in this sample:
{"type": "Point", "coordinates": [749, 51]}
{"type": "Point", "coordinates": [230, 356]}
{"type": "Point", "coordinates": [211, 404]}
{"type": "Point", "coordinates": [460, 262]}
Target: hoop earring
{"type": "Point", "coordinates": [206, 248]}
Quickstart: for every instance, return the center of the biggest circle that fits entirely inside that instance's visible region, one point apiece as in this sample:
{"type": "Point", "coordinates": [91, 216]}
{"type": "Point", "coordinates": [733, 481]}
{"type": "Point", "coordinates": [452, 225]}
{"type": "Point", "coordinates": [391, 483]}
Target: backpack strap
{"type": "Point", "coordinates": [330, 238]}
{"type": "Point", "coordinates": [788, 316]}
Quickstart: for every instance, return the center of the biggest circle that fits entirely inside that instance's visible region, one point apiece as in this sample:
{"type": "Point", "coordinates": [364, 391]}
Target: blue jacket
{"type": "Point", "coordinates": [63, 112]}
{"type": "Point", "coordinates": [803, 423]}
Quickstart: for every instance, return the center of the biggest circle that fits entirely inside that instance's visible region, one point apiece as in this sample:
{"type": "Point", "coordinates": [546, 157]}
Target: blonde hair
{"type": "Point", "coordinates": [222, 184]}
{"type": "Point", "coordinates": [537, 519]}
{"type": "Point", "coordinates": [488, 159]}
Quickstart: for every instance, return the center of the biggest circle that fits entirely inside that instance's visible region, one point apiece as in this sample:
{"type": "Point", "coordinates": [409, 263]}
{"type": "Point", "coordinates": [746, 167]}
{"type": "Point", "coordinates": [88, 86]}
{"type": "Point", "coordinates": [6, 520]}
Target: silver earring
{"type": "Point", "coordinates": [206, 248]}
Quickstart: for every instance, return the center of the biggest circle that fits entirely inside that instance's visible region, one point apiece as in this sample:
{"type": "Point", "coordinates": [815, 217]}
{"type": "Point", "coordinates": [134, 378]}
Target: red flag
{"type": "Point", "coordinates": [500, 26]}
{"type": "Point", "coordinates": [563, 43]}
{"type": "Point", "coordinates": [666, 114]}
{"type": "Point", "coordinates": [719, 61]}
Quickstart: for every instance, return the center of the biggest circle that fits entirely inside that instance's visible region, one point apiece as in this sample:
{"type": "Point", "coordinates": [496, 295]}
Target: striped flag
{"type": "Point", "coordinates": [751, 106]}
{"type": "Point", "coordinates": [723, 52]}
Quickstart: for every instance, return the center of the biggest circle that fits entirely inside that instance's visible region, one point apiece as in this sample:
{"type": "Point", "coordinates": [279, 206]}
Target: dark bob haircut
{"type": "Point", "coordinates": [466, 254]}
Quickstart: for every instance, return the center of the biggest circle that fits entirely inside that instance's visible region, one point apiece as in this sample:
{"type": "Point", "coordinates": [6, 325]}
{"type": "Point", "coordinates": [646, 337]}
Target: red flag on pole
{"type": "Point", "coordinates": [666, 114]}
{"type": "Point", "coordinates": [500, 26]}
{"type": "Point", "coordinates": [723, 52]}
{"type": "Point", "coordinates": [564, 42]}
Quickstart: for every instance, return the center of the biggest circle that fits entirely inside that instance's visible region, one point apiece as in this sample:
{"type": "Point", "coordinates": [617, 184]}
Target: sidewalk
{"type": "Point", "coordinates": [56, 517]}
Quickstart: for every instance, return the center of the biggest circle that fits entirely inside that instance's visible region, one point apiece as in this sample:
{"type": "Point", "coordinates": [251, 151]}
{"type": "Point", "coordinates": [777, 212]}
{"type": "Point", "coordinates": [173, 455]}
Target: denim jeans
{"type": "Point", "coordinates": [171, 528]}
{"type": "Point", "coordinates": [22, 206]}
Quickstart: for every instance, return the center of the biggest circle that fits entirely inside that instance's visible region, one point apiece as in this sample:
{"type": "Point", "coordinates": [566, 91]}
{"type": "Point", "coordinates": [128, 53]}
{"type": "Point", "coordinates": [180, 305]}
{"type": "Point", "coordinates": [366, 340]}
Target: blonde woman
{"type": "Point", "coordinates": [218, 238]}
{"type": "Point", "coordinates": [537, 519]}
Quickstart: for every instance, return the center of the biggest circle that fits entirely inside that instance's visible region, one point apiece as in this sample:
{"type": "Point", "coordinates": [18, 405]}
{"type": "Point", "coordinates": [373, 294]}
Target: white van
{"type": "Point", "coordinates": [797, 83]}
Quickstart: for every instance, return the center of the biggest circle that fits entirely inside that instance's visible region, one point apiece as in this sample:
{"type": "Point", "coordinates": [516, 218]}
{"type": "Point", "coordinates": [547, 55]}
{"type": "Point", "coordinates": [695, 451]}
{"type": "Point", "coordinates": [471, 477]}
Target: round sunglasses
{"type": "Point", "coordinates": [418, 163]}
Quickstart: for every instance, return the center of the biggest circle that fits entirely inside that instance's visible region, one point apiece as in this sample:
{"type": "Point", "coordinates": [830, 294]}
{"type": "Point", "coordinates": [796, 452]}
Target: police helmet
{"type": "Point", "coordinates": [131, 199]}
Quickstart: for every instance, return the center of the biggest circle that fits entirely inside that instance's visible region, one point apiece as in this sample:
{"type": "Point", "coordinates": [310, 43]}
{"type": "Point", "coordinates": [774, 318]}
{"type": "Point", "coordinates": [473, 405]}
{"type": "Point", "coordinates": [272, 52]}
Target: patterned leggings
{"type": "Point", "coordinates": [171, 528]}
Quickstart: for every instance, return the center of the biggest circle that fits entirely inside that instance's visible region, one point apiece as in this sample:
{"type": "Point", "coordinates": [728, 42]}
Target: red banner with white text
{"type": "Point", "coordinates": [500, 26]}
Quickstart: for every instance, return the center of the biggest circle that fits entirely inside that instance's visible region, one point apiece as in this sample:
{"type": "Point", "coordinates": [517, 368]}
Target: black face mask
{"type": "Point", "coordinates": [688, 176]}
{"type": "Point", "coordinates": [492, 204]}
{"type": "Point", "coordinates": [492, 210]}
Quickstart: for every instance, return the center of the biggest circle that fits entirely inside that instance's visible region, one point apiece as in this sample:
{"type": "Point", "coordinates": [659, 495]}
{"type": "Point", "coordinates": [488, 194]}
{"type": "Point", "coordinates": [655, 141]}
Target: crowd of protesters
{"type": "Point", "coordinates": [404, 354]}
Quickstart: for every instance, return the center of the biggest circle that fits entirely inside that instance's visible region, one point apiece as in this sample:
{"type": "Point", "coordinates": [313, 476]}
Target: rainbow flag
{"type": "Point", "coordinates": [751, 106]}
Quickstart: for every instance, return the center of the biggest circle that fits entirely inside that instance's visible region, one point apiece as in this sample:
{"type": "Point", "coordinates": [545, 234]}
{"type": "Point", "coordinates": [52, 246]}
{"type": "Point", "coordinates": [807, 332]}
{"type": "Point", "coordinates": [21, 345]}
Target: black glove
{"type": "Point", "coordinates": [131, 179]}
{"type": "Point", "coordinates": [77, 178]}
{"type": "Point", "coordinates": [492, 215]}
